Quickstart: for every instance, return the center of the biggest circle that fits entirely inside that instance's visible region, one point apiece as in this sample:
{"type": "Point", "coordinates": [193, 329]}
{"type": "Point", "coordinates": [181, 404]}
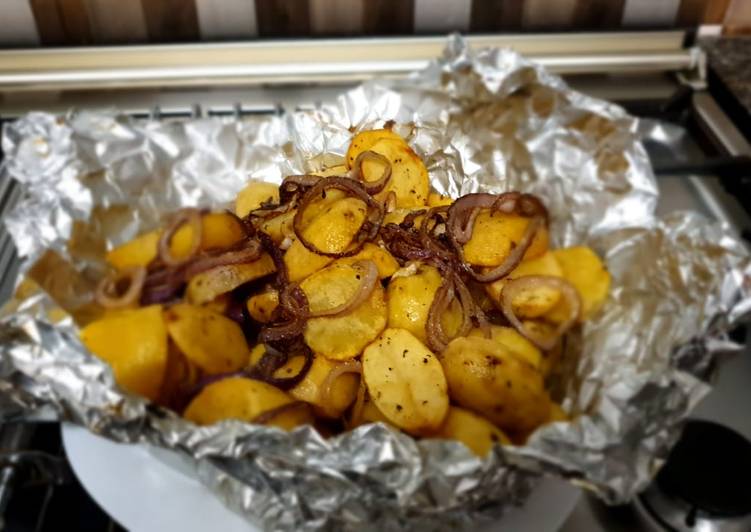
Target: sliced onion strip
{"type": "Point", "coordinates": [107, 291]}
{"type": "Point", "coordinates": [351, 366]}
{"type": "Point", "coordinates": [368, 280]}
{"type": "Point", "coordinates": [570, 295]}
{"type": "Point", "coordinates": [189, 216]}
{"type": "Point", "coordinates": [372, 187]}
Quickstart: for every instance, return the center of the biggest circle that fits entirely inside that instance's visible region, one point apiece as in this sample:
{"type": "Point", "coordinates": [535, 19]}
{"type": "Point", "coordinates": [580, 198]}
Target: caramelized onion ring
{"type": "Point", "coordinates": [107, 291]}
{"type": "Point", "coordinates": [189, 216]}
{"type": "Point", "coordinates": [452, 288]}
{"type": "Point", "coordinates": [274, 359]}
{"type": "Point", "coordinates": [567, 290]}
{"type": "Point", "coordinates": [372, 187]}
{"type": "Point", "coordinates": [250, 252]}
{"type": "Point", "coordinates": [368, 282]}
{"type": "Point", "coordinates": [368, 230]}
{"type": "Point", "coordinates": [351, 366]}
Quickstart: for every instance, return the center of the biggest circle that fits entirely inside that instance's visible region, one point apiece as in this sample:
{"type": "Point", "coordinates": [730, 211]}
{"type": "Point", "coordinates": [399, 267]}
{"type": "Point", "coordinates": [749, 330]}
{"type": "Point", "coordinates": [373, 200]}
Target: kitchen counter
{"type": "Point", "coordinates": [730, 61]}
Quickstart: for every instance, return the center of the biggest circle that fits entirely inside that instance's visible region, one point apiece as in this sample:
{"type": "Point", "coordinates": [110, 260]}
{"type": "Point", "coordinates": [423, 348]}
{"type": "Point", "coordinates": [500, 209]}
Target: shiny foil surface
{"type": "Point", "coordinates": [482, 120]}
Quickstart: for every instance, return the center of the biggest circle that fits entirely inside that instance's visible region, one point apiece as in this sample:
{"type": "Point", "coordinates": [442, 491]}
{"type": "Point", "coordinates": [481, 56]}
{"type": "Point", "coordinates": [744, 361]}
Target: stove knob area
{"type": "Point", "coordinates": [705, 486]}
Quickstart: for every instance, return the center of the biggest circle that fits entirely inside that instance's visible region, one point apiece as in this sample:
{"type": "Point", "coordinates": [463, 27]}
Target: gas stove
{"type": "Point", "coordinates": [702, 160]}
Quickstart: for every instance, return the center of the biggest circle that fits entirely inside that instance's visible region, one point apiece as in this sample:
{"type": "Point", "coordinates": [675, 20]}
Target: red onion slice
{"type": "Point", "coordinates": [250, 252]}
{"type": "Point", "coordinates": [189, 216]}
{"type": "Point", "coordinates": [367, 231]}
{"type": "Point", "coordinates": [351, 366]}
{"type": "Point", "coordinates": [570, 295]}
{"type": "Point", "coordinates": [514, 257]}
{"type": "Point", "coordinates": [368, 280]}
{"type": "Point", "coordinates": [372, 187]}
{"type": "Point", "coordinates": [109, 294]}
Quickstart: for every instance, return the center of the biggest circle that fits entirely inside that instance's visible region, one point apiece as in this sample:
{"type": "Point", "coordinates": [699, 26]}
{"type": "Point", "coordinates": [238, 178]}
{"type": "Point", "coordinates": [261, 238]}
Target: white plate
{"type": "Point", "coordinates": [145, 494]}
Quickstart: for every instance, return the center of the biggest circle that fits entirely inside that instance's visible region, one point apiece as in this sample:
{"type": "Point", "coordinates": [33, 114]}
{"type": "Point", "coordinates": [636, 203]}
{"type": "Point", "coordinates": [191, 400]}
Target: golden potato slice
{"type": "Point", "coordinates": [487, 378]}
{"type": "Point", "coordinates": [220, 304]}
{"type": "Point", "coordinates": [410, 296]}
{"type": "Point", "coordinates": [279, 227]}
{"type": "Point", "coordinates": [209, 340]}
{"type": "Point", "coordinates": [254, 195]}
{"type": "Point", "coordinates": [515, 343]}
{"type": "Point", "coordinates": [364, 410]}
{"type": "Point", "coordinates": [219, 230]}
{"type": "Point", "coordinates": [409, 177]}
{"type": "Point", "coordinates": [331, 231]}
{"type": "Point", "coordinates": [494, 236]}
{"type": "Point", "coordinates": [245, 400]}
{"type": "Point", "coordinates": [530, 303]}
{"type": "Point", "coordinates": [365, 140]}
{"type": "Point", "coordinates": [474, 431]}
{"type": "Point", "coordinates": [138, 252]}
{"type": "Point", "coordinates": [134, 343]}
{"type": "Point", "coordinates": [342, 391]}
{"type": "Point", "coordinates": [405, 381]}
{"type": "Point", "coordinates": [262, 306]}
{"type": "Point", "coordinates": [343, 336]}
{"type": "Point", "coordinates": [384, 261]}
{"type": "Point", "coordinates": [438, 200]}
{"type": "Point", "coordinates": [582, 268]}
{"type": "Point", "coordinates": [209, 284]}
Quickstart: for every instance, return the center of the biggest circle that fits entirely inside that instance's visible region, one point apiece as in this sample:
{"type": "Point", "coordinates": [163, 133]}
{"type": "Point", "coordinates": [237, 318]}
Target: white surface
{"type": "Point", "coordinates": [144, 494]}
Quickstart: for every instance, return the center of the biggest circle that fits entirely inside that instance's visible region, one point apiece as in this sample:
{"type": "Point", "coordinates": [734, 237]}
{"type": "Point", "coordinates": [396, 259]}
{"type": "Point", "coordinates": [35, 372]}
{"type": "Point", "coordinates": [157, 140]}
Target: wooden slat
{"type": "Point", "coordinates": [738, 18]}
{"type": "Point", "coordinates": [171, 20]}
{"type": "Point", "coordinates": [715, 11]}
{"type": "Point", "coordinates": [62, 22]}
{"type": "Point", "coordinates": [227, 19]}
{"type": "Point", "coordinates": [336, 17]}
{"type": "Point", "coordinates": [543, 14]}
{"type": "Point", "coordinates": [18, 27]}
{"type": "Point", "coordinates": [442, 15]}
{"type": "Point", "coordinates": [650, 13]}
{"type": "Point", "coordinates": [598, 14]}
{"type": "Point", "coordinates": [496, 15]}
{"type": "Point", "coordinates": [116, 22]}
{"type": "Point", "coordinates": [388, 17]}
{"type": "Point", "coordinates": [283, 18]}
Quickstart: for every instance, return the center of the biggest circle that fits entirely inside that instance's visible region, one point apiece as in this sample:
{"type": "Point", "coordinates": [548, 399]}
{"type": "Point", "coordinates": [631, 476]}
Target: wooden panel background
{"type": "Point", "coordinates": [86, 22]}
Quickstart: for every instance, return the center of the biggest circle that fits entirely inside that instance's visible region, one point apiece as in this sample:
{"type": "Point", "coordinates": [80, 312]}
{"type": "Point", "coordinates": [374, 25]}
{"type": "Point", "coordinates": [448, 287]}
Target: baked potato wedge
{"type": "Point", "coordinates": [212, 283]}
{"type": "Point", "coordinates": [494, 236]}
{"type": "Point", "coordinates": [254, 195]}
{"type": "Point", "coordinates": [582, 268]}
{"type": "Point", "coordinates": [474, 431]}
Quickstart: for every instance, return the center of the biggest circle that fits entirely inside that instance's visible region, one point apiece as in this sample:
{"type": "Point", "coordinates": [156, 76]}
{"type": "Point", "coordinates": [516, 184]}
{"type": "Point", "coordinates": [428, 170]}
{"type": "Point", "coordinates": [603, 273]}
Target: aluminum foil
{"type": "Point", "coordinates": [482, 120]}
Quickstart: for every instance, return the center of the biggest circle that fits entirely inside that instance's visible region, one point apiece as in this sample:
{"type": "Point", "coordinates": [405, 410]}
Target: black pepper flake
{"type": "Point", "coordinates": [508, 384]}
{"type": "Point", "coordinates": [357, 276]}
{"type": "Point", "coordinates": [425, 360]}
{"type": "Point", "coordinates": [391, 369]}
{"type": "Point", "coordinates": [398, 408]}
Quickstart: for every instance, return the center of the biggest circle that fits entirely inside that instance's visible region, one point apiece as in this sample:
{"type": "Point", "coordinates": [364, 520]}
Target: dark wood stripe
{"type": "Point", "coordinates": [171, 20]}
{"type": "Point", "coordinates": [283, 18]}
{"type": "Point", "coordinates": [388, 17]}
{"type": "Point", "coordinates": [690, 13]}
{"type": "Point", "coordinates": [598, 14]}
{"type": "Point", "coordinates": [496, 15]}
{"type": "Point", "coordinates": [61, 22]}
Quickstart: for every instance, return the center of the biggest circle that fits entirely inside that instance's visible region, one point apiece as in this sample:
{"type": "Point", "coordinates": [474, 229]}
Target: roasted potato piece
{"type": "Point", "coordinates": [410, 296]}
{"type": "Point", "coordinates": [405, 381]}
{"type": "Point", "coordinates": [437, 200]}
{"type": "Point", "coordinates": [397, 216]}
{"type": "Point", "coordinates": [530, 304]}
{"type": "Point", "coordinates": [474, 431]}
{"type": "Point", "coordinates": [331, 231]}
{"type": "Point", "coordinates": [219, 230]}
{"type": "Point", "coordinates": [582, 268]}
{"type": "Point", "coordinates": [384, 261]}
{"type": "Point", "coordinates": [134, 343]}
{"type": "Point", "coordinates": [515, 343]}
{"type": "Point", "coordinates": [254, 195]}
{"type": "Point", "coordinates": [409, 177]}
{"type": "Point", "coordinates": [245, 400]}
{"type": "Point", "coordinates": [487, 378]}
{"type": "Point", "coordinates": [209, 340]}
{"type": "Point", "coordinates": [261, 306]}
{"type": "Point", "coordinates": [343, 336]}
{"type": "Point", "coordinates": [365, 140]}
{"type": "Point", "coordinates": [342, 391]}
{"type": "Point", "coordinates": [494, 236]}
{"type": "Point", "coordinates": [207, 285]}
{"type": "Point", "coordinates": [364, 410]}
{"type": "Point", "coordinates": [279, 227]}
{"type": "Point", "coordinates": [138, 252]}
